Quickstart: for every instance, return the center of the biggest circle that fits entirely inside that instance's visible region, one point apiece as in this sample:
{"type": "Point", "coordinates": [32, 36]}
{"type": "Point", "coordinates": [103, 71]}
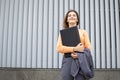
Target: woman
{"type": "Point", "coordinates": [72, 19]}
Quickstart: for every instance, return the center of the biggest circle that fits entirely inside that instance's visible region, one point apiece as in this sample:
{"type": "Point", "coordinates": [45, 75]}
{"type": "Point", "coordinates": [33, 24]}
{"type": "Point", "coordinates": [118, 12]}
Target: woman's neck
{"type": "Point", "coordinates": [72, 24]}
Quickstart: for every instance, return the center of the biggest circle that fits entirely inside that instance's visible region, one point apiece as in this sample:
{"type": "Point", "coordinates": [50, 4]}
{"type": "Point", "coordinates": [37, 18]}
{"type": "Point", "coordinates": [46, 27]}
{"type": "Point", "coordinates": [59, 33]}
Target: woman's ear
{"type": "Point", "coordinates": [77, 20]}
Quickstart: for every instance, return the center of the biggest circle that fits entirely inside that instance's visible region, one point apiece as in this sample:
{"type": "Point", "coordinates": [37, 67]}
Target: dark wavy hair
{"type": "Point", "coordinates": [65, 23]}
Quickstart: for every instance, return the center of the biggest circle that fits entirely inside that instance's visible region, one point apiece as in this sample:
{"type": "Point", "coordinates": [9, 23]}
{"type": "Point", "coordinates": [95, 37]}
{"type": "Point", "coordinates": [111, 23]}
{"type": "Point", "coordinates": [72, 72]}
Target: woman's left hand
{"type": "Point", "coordinates": [74, 55]}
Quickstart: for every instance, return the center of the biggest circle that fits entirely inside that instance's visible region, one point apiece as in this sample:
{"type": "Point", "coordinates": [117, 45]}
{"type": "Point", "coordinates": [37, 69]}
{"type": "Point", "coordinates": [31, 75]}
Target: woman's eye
{"type": "Point", "coordinates": [74, 15]}
{"type": "Point", "coordinates": [69, 15]}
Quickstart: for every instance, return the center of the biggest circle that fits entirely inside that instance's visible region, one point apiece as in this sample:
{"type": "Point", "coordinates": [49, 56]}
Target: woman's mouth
{"type": "Point", "coordinates": [71, 19]}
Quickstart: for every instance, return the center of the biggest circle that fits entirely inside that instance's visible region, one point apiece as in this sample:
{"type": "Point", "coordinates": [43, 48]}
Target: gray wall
{"type": "Point", "coordinates": [29, 30]}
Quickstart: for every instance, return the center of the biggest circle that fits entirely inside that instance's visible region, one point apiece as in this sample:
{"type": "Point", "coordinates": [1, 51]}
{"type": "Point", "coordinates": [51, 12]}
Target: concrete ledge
{"type": "Point", "coordinates": [52, 74]}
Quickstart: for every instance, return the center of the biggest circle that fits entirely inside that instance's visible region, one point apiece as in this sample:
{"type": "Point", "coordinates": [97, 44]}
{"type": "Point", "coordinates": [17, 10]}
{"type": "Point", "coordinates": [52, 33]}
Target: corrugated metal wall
{"type": "Point", "coordinates": [29, 30]}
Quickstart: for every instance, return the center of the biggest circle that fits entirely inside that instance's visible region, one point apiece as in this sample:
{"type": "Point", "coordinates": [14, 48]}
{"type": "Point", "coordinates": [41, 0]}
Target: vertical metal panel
{"type": "Point", "coordinates": [56, 25]}
{"type": "Point", "coordinates": [35, 32]}
{"type": "Point", "coordinates": [40, 24]}
{"type": "Point", "coordinates": [71, 4]}
{"type": "Point", "coordinates": [0, 9]}
{"type": "Point", "coordinates": [117, 32]}
{"type": "Point", "coordinates": [77, 5]}
{"type": "Point", "coordinates": [29, 31]}
{"type": "Point", "coordinates": [102, 33]}
{"type": "Point", "coordinates": [50, 36]}
{"type": "Point", "coordinates": [24, 35]}
{"type": "Point", "coordinates": [19, 35]}
{"type": "Point", "coordinates": [97, 35]}
{"type": "Point", "coordinates": [92, 24]}
{"type": "Point", "coordinates": [9, 49]}
{"type": "Point", "coordinates": [82, 17]}
{"type": "Point", "coordinates": [1, 28]}
{"type": "Point", "coordinates": [5, 33]}
{"type": "Point", "coordinates": [112, 21]}
{"type": "Point", "coordinates": [15, 34]}
{"type": "Point", "coordinates": [87, 24]}
{"type": "Point", "coordinates": [61, 15]}
{"type": "Point", "coordinates": [107, 18]}
{"type": "Point", "coordinates": [45, 33]}
{"type": "Point", "coordinates": [66, 5]}
{"type": "Point", "coordinates": [29, 38]}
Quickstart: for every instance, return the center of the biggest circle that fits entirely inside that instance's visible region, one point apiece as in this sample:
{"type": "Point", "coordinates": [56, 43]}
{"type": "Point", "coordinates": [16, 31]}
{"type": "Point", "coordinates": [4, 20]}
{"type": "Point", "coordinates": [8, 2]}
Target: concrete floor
{"type": "Point", "coordinates": [52, 74]}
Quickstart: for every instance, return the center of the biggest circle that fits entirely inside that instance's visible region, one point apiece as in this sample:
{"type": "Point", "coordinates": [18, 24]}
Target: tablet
{"type": "Point", "coordinates": [70, 36]}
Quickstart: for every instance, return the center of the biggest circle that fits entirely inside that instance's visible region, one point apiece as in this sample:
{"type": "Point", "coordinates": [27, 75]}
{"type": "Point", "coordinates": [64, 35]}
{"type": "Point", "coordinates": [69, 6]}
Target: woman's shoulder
{"type": "Point", "coordinates": [82, 30]}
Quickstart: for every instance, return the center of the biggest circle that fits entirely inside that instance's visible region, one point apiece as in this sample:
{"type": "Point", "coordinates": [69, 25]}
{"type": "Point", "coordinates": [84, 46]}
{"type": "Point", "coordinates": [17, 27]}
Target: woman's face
{"type": "Point", "coordinates": [72, 18]}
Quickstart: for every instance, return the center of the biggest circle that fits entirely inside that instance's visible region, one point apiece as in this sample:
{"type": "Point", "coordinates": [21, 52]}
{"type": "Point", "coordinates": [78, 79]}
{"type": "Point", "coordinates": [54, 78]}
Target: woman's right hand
{"type": "Point", "coordinates": [79, 48]}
